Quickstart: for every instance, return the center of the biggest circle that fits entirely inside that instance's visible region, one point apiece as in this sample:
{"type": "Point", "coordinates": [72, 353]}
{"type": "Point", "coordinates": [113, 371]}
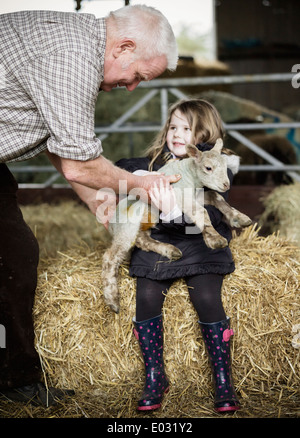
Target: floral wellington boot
{"type": "Point", "coordinates": [217, 340]}
{"type": "Point", "coordinates": [150, 336]}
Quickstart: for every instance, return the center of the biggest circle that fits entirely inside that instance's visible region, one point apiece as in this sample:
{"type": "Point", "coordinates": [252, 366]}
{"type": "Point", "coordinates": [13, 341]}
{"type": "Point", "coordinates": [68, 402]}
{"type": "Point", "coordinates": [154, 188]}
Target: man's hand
{"type": "Point", "coordinates": [153, 181]}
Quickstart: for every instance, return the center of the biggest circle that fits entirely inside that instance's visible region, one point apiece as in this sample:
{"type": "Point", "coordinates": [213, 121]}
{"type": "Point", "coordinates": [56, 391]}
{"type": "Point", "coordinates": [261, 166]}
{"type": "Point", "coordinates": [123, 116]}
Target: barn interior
{"type": "Point", "coordinates": [253, 82]}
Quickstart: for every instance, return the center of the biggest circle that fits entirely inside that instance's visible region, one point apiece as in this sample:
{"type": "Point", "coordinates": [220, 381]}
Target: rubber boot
{"type": "Point", "coordinates": [217, 339]}
{"type": "Point", "coordinates": [150, 336]}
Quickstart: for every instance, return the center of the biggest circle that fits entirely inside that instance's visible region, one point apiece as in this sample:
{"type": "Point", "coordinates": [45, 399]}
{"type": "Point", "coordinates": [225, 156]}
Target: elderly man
{"type": "Point", "coordinates": [52, 66]}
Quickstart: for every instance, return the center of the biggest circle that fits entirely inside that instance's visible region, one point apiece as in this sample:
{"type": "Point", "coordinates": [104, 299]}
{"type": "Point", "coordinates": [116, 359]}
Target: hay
{"type": "Point", "coordinates": [282, 212]}
{"type": "Point", "coordinates": [59, 227]}
{"type": "Point", "coordinates": [83, 345]}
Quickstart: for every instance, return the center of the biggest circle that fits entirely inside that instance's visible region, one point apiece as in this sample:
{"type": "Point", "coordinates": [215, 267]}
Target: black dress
{"type": "Point", "coordinates": [197, 258]}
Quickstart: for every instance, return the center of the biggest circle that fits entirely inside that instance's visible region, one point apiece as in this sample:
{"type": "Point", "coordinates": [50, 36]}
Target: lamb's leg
{"type": "Point", "coordinates": [145, 242]}
{"type": "Point", "coordinates": [201, 218]}
{"type": "Point", "coordinates": [123, 227]}
{"type": "Point", "coordinates": [211, 237]}
{"type": "Point", "coordinates": [235, 218]}
{"type": "Point", "coordinates": [112, 258]}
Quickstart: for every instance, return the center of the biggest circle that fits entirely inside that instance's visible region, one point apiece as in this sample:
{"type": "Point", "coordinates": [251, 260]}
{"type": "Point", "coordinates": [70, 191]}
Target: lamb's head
{"type": "Point", "coordinates": [210, 167]}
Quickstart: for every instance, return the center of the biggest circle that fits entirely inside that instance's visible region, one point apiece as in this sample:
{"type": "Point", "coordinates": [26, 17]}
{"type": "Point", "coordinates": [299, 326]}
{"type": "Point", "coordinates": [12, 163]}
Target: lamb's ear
{"type": "Point", "coordinates": [218, 146]}
{"type": "Point", "coordinates": [192, 151]}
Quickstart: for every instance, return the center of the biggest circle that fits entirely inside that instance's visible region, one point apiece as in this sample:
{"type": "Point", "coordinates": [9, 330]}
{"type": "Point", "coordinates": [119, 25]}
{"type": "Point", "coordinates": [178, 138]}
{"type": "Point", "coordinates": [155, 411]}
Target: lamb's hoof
{"type": "Point", "coordinates": [241, 221]}
{"type": "Point", "coordinates": [246, 222]}
{"type": "Point", "coordinates": [115, 308]}
{"type": "Point", "coordinates": [216, 242]}
{"type": "Point", "coordinates": [171, 252]}
{"type": "Point", "coordinates": [176, 255]}
{"type": "Point", "coordinates": [220, 243]}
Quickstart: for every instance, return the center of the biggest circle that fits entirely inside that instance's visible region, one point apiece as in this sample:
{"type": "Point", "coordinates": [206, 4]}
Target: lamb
{"type": "Point", "coordinates": [133, 219]}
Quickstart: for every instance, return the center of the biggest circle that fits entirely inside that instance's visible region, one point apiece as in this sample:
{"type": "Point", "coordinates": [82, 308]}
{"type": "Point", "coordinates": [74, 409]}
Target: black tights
{"type": "Point", "coordinates": [204, 291]}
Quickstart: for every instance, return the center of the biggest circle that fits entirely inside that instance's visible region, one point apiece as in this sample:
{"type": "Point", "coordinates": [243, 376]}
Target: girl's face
{"type": "Point", "coordinates": [179, 134]}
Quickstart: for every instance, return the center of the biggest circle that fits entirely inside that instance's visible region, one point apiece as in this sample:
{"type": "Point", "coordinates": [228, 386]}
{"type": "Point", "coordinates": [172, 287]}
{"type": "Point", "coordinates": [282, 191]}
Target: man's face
{"type": "Point", "coordinates": [124, 73]}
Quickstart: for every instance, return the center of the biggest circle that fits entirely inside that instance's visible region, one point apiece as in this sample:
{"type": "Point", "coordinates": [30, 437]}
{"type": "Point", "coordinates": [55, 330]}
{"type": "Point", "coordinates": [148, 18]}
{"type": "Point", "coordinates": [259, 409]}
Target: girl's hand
{"type": "Point", "coordinates": [147, 182]}
{"type": "Point", "coordinates": [162, 195]}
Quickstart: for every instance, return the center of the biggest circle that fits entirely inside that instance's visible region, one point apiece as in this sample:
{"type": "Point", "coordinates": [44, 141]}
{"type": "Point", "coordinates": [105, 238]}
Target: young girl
{"type": "Point", "coordinates": [193, 121]}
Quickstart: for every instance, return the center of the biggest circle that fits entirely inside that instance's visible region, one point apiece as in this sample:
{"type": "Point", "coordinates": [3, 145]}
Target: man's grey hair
{"type": "Point", "coordinates": [151, 31]}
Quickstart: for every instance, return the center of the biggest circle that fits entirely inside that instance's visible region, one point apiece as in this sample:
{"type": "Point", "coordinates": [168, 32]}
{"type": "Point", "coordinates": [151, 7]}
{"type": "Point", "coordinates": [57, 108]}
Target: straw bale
{"type": "Point", "coordinates": [282, 212]}
{"type": "Point", "coordinates": [85, 346]}
{"type": "Point", "coordinates": [61, 226]}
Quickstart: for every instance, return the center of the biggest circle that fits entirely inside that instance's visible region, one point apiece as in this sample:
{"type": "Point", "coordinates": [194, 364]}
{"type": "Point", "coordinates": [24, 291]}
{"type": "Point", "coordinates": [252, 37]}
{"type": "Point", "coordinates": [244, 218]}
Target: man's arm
{"type": "Point", "coordinates": [98, 173]}
{"type": "Point", "coordinates": [87, 177]}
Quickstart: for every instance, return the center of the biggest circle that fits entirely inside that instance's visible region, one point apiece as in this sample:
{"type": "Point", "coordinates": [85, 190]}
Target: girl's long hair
{"type": "Point", "coordinates": [204, 120]}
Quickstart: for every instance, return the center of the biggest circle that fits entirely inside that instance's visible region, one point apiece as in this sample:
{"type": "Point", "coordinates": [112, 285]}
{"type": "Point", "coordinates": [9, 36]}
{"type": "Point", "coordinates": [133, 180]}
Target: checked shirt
{"type": "Point", "coordinates": [51, 68]}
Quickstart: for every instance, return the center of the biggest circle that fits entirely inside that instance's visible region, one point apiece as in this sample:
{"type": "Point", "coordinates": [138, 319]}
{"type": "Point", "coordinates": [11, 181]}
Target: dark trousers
{"type": "Point", "coordinates": [19, 254]}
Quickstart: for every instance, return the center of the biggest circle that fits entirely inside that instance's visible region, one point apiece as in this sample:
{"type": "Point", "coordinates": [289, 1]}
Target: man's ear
{"type": "Point", "coordinates": [124, 47]}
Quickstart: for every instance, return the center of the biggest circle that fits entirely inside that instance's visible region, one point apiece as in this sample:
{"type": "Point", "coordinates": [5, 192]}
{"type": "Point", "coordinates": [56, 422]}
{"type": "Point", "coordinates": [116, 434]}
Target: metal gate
{"type": "Point", "coordinates": [165, 86]}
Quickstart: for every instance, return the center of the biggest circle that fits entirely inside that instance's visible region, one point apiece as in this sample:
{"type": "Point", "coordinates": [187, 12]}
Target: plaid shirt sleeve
{"type": "Point", "coordinates": [64, 88]}
{"type": "Point", "coordinates": [53, 65]}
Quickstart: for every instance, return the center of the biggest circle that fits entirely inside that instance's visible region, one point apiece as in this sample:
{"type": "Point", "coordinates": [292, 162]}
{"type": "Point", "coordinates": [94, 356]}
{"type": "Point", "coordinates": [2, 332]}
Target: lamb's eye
{"type": "Point", "coordinates": [208, 168]}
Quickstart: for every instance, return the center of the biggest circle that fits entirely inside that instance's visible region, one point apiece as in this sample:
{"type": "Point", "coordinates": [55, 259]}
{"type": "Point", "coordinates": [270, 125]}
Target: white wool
{"type": "Point", "coordinates": [233, 163]}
